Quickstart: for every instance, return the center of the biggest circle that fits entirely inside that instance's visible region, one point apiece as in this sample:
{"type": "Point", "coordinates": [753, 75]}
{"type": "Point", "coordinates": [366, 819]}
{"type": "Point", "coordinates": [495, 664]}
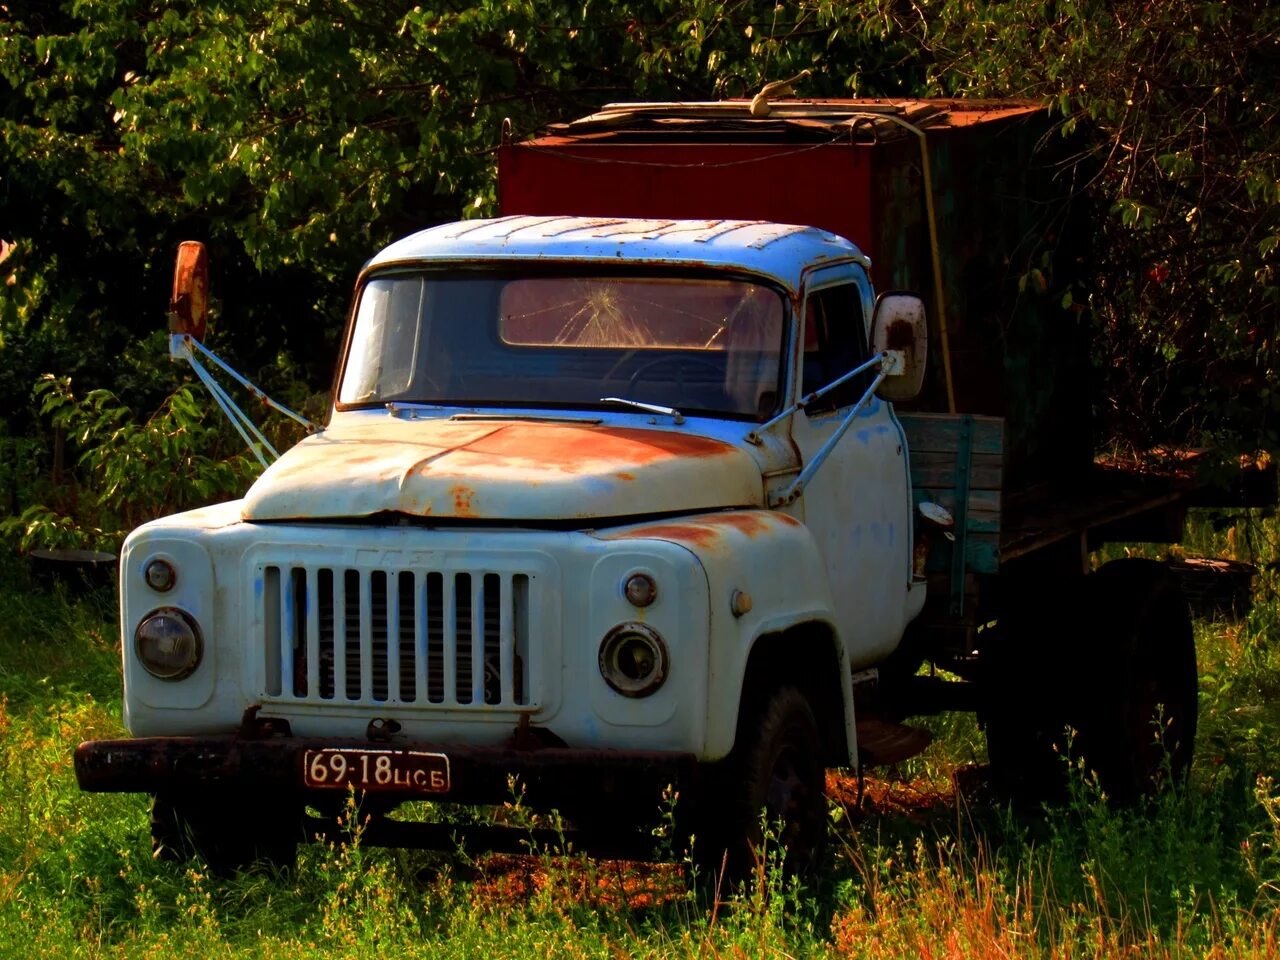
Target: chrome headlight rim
{"type": "Point", "coordinates": [640, 588]}
{"type": "Point", "coordinates": [193, 660]}
{"type": "Point", "coordinates": [615, 642]}
{"type": "Point", "coordinates": [163, 569]}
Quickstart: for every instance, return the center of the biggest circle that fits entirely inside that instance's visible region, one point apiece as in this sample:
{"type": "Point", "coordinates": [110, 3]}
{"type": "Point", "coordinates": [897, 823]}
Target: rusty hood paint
{"type": "Point", "coordinates": [501, 470]}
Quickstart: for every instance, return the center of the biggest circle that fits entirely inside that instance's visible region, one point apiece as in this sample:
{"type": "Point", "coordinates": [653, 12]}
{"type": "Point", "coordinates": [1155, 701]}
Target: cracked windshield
{"type": "Point", "coordinates": [701, 345]}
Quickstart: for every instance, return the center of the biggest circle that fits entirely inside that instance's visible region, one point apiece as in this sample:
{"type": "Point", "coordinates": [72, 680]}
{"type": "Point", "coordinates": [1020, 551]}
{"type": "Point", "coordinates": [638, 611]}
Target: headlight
{"type": "Point", "coordinates": [168, 643]}
{"type": "Point", "coordinates": [633, 659]}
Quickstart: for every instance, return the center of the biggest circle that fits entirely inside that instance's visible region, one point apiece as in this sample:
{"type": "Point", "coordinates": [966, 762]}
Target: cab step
{"type": "Point", "coordinates": [883, 742]}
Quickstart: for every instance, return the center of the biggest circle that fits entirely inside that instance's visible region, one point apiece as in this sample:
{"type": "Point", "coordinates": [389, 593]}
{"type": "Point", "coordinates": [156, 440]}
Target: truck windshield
{"type": "Point", "coordinates": [475, 338]}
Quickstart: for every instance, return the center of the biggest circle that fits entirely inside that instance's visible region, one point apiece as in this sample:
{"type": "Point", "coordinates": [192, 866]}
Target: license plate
{"type": "Point", "coordinates": [410, 771]}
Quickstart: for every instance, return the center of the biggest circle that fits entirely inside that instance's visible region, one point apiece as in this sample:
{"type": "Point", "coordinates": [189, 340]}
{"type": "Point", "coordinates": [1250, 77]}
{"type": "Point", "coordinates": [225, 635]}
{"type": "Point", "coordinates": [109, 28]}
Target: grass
{"type": "Point", "coordinates": [921, 869]}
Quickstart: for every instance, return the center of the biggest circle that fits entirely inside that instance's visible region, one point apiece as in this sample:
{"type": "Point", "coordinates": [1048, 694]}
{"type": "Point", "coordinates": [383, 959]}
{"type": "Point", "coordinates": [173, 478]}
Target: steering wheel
{"type": "Point", "coordinates": [681, 363]}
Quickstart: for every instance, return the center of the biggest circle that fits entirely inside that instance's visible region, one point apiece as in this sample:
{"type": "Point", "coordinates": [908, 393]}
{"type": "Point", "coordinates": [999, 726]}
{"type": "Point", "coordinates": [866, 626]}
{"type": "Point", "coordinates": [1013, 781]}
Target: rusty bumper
{"type": "Point", "coordinates": [548, 775]}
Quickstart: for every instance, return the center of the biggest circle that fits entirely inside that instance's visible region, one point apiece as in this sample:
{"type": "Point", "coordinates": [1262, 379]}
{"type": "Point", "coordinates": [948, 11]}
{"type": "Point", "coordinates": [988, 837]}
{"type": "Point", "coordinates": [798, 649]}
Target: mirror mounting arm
{"type": "Point", "coordinates": [877, 363]}
{"type": "Point", "coordinates": [793, 490]}
{"type": "Point", "coordinates": [183, 346]}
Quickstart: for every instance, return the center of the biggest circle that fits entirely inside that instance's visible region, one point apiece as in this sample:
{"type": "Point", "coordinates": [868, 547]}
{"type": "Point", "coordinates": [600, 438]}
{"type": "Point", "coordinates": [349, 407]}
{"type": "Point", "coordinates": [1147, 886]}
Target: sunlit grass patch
{"type": "Point", "coordinates": [926, 860]}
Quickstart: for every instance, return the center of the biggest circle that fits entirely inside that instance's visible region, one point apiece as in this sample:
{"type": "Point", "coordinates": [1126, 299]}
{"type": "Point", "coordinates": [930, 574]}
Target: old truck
{"type": "Point", "coordinates": [641, 486]}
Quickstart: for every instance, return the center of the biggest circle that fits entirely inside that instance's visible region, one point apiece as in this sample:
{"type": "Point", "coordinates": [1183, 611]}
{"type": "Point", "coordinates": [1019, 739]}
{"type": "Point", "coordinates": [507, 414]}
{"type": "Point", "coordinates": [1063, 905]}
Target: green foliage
{"type": "Point", "coordinates": [1173, 108]}
{"type": "Point", "coordinates": [295, 139]}
{"type": "Point", "coordinates": [184, 456]}
{"type": "Point", "coordinates": [312, 133]}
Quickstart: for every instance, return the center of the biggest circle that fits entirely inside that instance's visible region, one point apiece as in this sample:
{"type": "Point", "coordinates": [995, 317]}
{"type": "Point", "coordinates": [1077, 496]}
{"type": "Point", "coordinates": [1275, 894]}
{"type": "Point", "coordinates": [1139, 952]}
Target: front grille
{"type": "Point", "coordinates": [445, 638]}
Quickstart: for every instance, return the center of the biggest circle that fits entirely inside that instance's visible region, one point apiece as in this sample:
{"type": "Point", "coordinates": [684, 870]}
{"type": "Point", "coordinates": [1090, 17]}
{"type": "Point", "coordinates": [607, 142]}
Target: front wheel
{"type": "Point", "coordinates": [774, 781]}
{"type": "Point", "coordinates": [224, 831]}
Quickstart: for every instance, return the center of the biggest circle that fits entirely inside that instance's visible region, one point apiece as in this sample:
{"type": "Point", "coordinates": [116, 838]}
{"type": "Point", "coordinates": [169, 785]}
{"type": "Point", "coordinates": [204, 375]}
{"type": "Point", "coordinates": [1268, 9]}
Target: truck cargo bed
{"type": "Point", "coordinates": [1106, 504]}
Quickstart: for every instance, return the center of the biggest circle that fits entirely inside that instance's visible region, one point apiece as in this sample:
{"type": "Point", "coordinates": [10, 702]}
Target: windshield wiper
{"type": "Point", "coordinates": [409, 410]}
{"type": "Point", "coordinates": [671, 412]}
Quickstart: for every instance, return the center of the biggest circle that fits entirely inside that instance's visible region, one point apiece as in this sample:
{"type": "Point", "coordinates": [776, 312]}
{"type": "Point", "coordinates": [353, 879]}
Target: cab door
{"type": "Point", "coordinates": [857, 505]}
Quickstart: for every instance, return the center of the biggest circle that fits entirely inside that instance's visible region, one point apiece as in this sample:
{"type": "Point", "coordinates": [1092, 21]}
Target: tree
{"type": "Point", "coordinates": [295, 138]}
{"type": "Point", "coordinates": [1174, 104]}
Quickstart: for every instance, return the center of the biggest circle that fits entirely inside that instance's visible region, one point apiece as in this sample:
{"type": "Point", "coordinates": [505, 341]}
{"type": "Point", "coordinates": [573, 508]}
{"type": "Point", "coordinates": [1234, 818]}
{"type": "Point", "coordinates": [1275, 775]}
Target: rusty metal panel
{"type": "Point", "coordinates": [824, 186]}
{"type": "Point", "coordinates": [707, 533]}
{"type": "Point", "coordinates": [369, 462]}
{"type": "Point", "coordinates": [677, 119]}
{"type": "Point", "coordinates": [275, 764]}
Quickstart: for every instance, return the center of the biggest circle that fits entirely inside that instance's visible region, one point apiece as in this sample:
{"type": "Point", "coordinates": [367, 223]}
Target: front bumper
{"type": "Point", "coordinates": [274, 767]}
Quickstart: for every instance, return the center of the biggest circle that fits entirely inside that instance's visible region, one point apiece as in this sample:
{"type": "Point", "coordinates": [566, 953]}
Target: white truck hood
{"type": "Point", "coordinates": [502, 470]}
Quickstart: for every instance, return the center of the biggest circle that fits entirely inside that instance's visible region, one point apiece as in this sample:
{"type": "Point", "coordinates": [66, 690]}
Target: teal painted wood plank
{"type": "Point", "coordinates": [940, 433]}
{"type": "Point", "coordinates": [938, 469]}
{"type": "Point", "coordinates": [933, 441]}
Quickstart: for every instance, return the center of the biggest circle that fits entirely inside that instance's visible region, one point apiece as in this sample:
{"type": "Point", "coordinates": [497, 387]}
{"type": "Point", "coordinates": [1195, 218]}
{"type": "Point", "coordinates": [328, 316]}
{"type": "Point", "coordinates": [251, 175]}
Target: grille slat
{"type": "Point", "coordinates": [432, 638]}
{"type": "Point", "coordinates": [339, 634]}
{"type": "Point", "coordinates": [313, 629]}
{"type": "Point", "coordinates": [506, 641]}
{"type": "Point", "coordinates": [288, 628]}
{"type": "Point", "coordinates": [479, 664]}
{"type": "Point", "coordinates": [449, 655]}
{"type": "Point", "coordinates": [420, 636]}
{"type": "Point", "coordinates": [364, 663]}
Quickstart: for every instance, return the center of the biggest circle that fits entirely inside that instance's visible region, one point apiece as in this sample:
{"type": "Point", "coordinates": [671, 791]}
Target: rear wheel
{"type": "Point", "coordinates": [1113, 659]}
{"type": "Point", "coordinates": [1139, 730]}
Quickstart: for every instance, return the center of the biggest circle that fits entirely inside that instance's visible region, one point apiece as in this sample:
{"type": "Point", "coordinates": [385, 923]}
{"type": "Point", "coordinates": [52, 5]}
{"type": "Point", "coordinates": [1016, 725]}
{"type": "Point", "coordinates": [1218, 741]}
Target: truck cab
{"type": "Point", "coordinates": [604, 505]}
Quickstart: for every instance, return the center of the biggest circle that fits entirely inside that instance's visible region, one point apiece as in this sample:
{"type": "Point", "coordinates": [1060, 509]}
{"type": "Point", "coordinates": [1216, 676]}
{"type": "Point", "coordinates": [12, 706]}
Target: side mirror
{"type": "Point", "coordinates": [189, 305]}
{"type": "Point", "coordinates": [899, 324]}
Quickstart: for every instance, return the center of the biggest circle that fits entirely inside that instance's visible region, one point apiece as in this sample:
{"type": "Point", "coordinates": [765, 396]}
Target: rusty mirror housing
{"type": "Point", "coordinates": [899, 324]}
{"type": "Point", "coordinates": [189, 305]}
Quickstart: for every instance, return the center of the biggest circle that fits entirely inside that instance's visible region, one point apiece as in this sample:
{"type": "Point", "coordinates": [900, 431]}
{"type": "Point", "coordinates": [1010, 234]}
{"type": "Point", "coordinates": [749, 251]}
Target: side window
{"type": "Point", "coordinates": [384, 344]}
{"type": "Point", "coordinates": [834, 343]}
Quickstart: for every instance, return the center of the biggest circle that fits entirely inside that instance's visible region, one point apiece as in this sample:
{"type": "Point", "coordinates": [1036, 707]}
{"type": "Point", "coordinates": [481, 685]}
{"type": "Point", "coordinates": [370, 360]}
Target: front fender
{"type": "Point", "coordinates": [771, 560]}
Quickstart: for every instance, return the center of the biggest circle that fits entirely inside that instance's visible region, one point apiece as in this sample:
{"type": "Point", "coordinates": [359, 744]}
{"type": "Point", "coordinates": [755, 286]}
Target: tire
{"type": "Point", "coordinates": [776, 770]}
{"type": "Point", "coordinates": [1112, 658]}
{"type": "Point", "coordinates": [1026, 687]}
{"type": "Point", "coordinates": [209, 828]}
{"type": "Point", "coordinates": [1139, 734]}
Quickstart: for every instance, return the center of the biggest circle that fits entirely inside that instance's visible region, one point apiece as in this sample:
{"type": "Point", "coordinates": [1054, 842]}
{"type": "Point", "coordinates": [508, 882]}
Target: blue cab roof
{"type": "Point", "coordinates": [776, 250]}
